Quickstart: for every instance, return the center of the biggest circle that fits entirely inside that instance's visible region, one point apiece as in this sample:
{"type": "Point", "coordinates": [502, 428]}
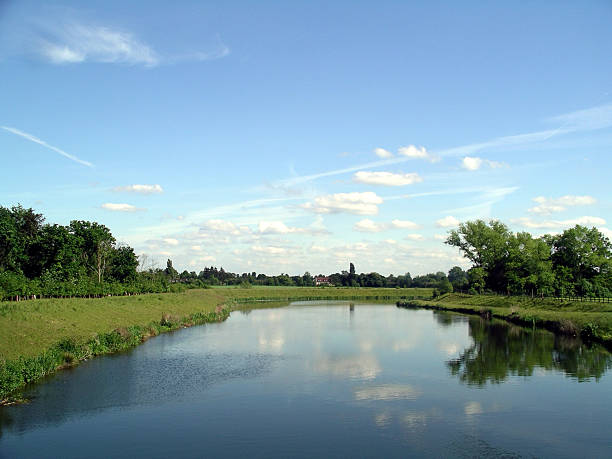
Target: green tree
{"type": "Point", "coordinates": [97, 244]}
{"type": "Point", "coordinates": [170, 271]}
{"type": "Point", "coordinates": [486, 246]}
{"type": "Point", "coordinates": [458, 278]}
{"type": "Point", "coordinates": [124, 264]}
{"type": "Point", "coordinates": [583, 257]}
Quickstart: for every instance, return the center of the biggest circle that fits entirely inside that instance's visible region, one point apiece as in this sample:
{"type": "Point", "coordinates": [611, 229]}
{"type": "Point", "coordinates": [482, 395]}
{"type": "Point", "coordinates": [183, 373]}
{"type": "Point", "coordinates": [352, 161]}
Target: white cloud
{"type": "Point", "coordinates": [440, 237]}
{"type": "Point", "coordinates": [473, 163]}
{"type": "Point", "coordinates": [76, 43]}
{"type": "Point", "coordinates": [196, 248]}
{"type": "Point", "coordinates": [585, 221]}
{"type": "Point", "coordinates": [278, 227]}
{"type": "Point", "coordinates": [404, 224]}
{"type": "Point", "coordinates": [221, 226]}
{"type": "Point", "coordinates": [606, 232]}
{"type": "Point", "coordinates": [415, 237]}
{"type": "Point", "coordinates": [269, 250]}
{"type": "Point", "coordinates": [584, 120]}
{"type": "Point", "coordinates": [386, 178]}
{"type": "Point", "coordinates": [117, 207]}
{"type": "Point", "coordinates": [170, 241]}
{"type": "Point", "coordinates": [382, 153]}
{"type": "Point", "coordinates": [142, 189]}
{"type": "Point", "coordinates": [414, 152]}
{"type": "Point", "coordinates": [275, 228]}
{"type": "Point", "coordinates": [79, 43]}
{"type": "Point", "coordinates": [34, 139]}
{"type": "Point", "coordinates": [447, 222]}
{"type": "Point", "coordinates": [368, 226]}
{"type": "Point", "coordinates": [354, 203]}
{"type": "Point", "coordinates": [547, 206]}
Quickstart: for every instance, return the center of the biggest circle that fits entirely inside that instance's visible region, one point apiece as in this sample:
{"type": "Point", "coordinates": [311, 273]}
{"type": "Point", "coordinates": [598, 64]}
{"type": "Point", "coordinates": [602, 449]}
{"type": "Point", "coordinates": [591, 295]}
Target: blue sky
{"type": "Point", "coordinates": [300, 136]}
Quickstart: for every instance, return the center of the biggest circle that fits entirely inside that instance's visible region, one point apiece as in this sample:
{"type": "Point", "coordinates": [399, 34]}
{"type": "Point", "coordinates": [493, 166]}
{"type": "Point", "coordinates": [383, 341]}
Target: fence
{"type": "Point", "coordinates": [592, 299]}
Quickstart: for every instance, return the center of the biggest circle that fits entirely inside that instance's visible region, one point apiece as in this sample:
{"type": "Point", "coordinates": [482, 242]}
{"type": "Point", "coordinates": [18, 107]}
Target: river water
{"type": "Point", "coordinates": [327, 379]}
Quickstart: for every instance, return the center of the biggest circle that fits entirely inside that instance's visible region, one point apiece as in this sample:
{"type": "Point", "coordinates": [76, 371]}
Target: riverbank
{"type": "Point", "coordinates": [591, 320]}
{"type": "Point", "coordinates": [42, 336]}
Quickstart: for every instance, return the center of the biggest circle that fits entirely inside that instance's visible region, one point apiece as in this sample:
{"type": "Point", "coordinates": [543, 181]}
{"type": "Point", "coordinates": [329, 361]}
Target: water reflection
{"type": "Point", "coordinates": [321, 380]}
{"type": "Point", "coordinates": [500, 350]}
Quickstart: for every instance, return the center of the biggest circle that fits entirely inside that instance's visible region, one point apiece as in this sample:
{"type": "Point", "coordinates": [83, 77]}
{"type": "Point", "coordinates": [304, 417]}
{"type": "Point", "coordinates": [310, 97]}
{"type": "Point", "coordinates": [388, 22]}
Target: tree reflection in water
{"type": "Point", "coordinates": [501, 350]}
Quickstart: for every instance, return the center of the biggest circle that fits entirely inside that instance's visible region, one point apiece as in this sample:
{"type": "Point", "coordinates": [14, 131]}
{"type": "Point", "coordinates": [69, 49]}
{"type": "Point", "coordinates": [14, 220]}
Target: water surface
{"type": "Point", "coordinates": [327, 379]}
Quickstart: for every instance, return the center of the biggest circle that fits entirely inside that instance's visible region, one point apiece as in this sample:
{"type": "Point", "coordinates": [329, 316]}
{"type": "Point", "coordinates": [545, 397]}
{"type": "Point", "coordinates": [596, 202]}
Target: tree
{"type": "Point", "coordinates": [97, 244]}
{"type": "Point", "coordinates": [124, 264]}
{"type": "Point", "coordinates": [170, 271]}
{"type": "Point", "coordinates": [19, 228]}
{"type": "Point", "coordinates": [458, 278]}
{"type": "Point", "coordinates": [476, 276]}
{"type": "Point", "coordinates": [307, 280]}
{"type": "Point", "coordinates": [583, 257]}
{"type": "Point", "coordinates": [486, 246]}
{"type": "Point", "coordinates": [444, 286]}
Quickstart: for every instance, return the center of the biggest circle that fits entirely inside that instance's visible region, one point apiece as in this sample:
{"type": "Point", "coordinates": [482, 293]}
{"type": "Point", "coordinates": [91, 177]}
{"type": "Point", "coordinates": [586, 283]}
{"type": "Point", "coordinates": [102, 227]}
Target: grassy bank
{"type": "Point", "coordinates": [41, 336]}
{"type": "Point", "coordinates": [588, 319]}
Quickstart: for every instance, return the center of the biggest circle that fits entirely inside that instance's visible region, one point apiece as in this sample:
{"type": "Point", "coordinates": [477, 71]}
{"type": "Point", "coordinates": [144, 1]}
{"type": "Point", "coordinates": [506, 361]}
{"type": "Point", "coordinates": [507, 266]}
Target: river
{"type": "Point", "coordinates": [326, 379]}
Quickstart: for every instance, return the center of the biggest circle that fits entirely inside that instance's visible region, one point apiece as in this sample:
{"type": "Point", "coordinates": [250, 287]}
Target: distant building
{"type": "Point", "coordinates": [322, 280]}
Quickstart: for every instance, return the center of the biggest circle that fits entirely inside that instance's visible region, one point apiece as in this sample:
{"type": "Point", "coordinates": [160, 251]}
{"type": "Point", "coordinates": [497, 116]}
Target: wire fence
{"type": "Point", "coordinates": [591, 299]}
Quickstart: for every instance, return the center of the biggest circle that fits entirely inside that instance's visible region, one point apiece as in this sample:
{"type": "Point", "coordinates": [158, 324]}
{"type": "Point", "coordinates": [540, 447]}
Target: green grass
{"type": "Point", "coordinates": [589, 319]}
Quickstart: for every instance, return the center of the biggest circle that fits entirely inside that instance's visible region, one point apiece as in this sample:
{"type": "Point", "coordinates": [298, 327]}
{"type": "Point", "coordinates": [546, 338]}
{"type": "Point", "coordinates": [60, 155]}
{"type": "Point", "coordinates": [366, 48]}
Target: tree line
{"type": "Point", "coordinates": [577, 262]}
{"type": "Point", "coordinates": [39, 259]}
{"type": "Point", "coordinates": [80, 259]}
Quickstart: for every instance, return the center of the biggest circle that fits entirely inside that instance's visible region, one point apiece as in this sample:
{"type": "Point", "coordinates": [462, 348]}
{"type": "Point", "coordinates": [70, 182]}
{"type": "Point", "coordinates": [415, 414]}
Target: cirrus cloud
{"type": "Point", "coordinates": [473, 163]}
{"type": "Point", "coordinates": [120, 207]}
{"type": "Point", "coordinates": [386, 178]}
{"type": "Point", "coordinates": [141, 189]}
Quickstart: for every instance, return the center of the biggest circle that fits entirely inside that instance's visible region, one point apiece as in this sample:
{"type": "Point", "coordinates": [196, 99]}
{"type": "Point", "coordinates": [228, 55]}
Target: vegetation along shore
{"type": "Point", "coordinates": [42, 336]}
{"type": "Point", "coordinates": [589, 319]}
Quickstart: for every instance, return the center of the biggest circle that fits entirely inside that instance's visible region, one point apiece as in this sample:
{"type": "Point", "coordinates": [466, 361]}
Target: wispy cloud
{"type": "Point", "coordinates": [547, 206]}
{"type": "Point", "coordinates": [141, 189]}
{"type": "Point", "coordinates": [354, 203]}
{"type": "Point", "coordinates": [473, 163]}
{"type": "Point", "coordinates": [583, 120]}
{"type": "Point", "coordinates": [368, 226]}
{"type": "Point", "coordinates": [120, 207]}
{"type": "Point", "coordinates": [386, 178]}
{"type": "Point", "coordinates": [77, 43]}
{"type": "Point", "coordinates": [585, 221]}
{"type": "Point", "coordinates": [34, 139]}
